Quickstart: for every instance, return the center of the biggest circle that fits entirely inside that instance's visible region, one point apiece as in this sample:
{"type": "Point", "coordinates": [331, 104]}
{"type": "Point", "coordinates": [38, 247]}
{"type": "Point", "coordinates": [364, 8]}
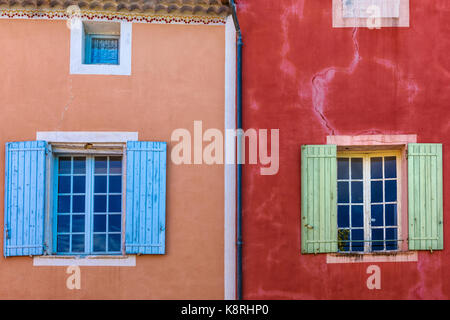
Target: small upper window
{"type": "Point", "coordinates": [101, 43]}
{"type": "Point", "coordinates": [373, 14]}
{"type": "Point", "coordinates": [99, 47]}
{"type": "Point", "coordinates": [371, 8]}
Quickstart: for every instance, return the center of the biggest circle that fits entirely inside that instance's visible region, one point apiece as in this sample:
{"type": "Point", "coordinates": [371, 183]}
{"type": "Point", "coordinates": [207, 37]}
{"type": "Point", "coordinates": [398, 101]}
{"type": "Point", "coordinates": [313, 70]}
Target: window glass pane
{"type": "Point", "coordinates": [63, 204]}
{"type": "Point", "coordinates": [343, 168]}
{"type": "Point", "coordinates": [104, 50]}
{"type": "Point", "coordinates": [78, 243]}
{"type": "Point", "coordinates": [114, 223]}
{"type": "Point", "coordinates": [376, 191]}
{"type": "Point", "coordinates": [100, 165]}
{"type": "Point", "coordinates": [343, 192]}
{"type": "Point", "coordinates": [79, 165]}
{"type": "Point", "coordinates": [64, 166]}
{"type": "Point", "coordinates": [115, 204]}
{"type": "Point", "coordinates": [99, 242]}
{"type": "Point", "coordinates": [357, 168]}
{"type": "Point", "coordinates": [63, 223]}
{"type": "Point", "coordinates": [100, 184]}
{"type": "Point", "coordinates": [64, 184]}
{"type": "Point", "coordinates": [376, 168]}
{"type": "Point", "coordinates": [391, 234]}
{"type": "Point", "coordinates": [79, 184]}
{"type": "Point", "coordinates": [390, 167]}
{"type": "Point", "coordinates": [78, 223]}
{"type": "Point", "coordinates": [377, 215]}
{"type": "Point", "coordinates": [99, 203]}
{"type": "Point", "coordinates": [114, 242]}
{"type": "Point", "coordinates": [78, 205]}
{"type": "Point", "coordinates": [107, 200]}
{"type": "Point", "coordinates": [99, 223]}
{"type": "Point", "coordinates": [343, 239]}
{"type": "Point", "coordinates": [357, 216]}
{"type": "Point", "coordinates": [63, 243]}
{"type": "Point", "coordinates": [357, 234]}
{"type": "Point", "coordinates": [391, 190]}
{"type": "Point", "coordinates": [377, 234]}
{"type": "Point", "coordinates": [357, 192]}
{"type": "Point", "coordinates": [391, 215]}
{"type": "Point", "coordinates": [115, 184]}
{"type": "Point", "coordinates": [115, 165]}
{"type": "Point", "coordinates": [343, 217]}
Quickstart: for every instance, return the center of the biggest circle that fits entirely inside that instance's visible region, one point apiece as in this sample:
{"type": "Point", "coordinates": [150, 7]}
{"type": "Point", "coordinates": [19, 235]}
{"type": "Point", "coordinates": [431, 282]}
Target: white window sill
{"type": "Point", "coordinates": [88, 261]}
{"type": "Point", "coordinates": [407, 256]}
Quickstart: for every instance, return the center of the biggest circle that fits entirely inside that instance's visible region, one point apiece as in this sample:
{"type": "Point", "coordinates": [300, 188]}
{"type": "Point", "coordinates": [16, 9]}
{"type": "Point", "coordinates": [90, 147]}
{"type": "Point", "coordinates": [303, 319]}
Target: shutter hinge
{"type": "Point", "coordinates": [48, 149]}
{"type": "Point", "coordinates": [7, 234]}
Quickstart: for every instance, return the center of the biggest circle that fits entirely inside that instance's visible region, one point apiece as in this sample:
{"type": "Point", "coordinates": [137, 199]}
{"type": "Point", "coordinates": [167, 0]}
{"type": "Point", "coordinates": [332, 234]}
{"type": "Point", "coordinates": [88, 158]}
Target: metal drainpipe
{"type": "Point", "coordinates": [239, 153]}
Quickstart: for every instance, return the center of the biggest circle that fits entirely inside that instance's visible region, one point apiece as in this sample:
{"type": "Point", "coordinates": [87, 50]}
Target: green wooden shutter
{"type": "Point", "coordinates": [319, 199]}
{"type": "Point", "coordinates": [425, 204]}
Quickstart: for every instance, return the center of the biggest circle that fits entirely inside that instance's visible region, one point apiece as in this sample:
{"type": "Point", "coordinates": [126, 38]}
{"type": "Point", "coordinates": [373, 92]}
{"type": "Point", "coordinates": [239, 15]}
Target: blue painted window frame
{"type": "Point", "coordinates": [88, 38]}
{"type": "Point", "coordinates": [89, 205]}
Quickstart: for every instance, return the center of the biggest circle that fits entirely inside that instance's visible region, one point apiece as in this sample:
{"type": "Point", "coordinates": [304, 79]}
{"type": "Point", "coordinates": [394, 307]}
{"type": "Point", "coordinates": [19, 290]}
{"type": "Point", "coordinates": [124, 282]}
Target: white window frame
{"type": "Point", "coordinates": [77, 52]}
{"type": "Point", "coordinates": [366, 156]}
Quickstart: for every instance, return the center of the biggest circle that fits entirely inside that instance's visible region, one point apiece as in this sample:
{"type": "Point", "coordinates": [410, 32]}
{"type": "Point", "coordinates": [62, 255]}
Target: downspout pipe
{"type": "Point", "coordinates": [239, 242]}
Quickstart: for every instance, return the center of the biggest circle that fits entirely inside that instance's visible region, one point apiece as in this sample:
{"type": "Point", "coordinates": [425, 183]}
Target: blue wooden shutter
{"type": "Point", "coordinates": [145, 220]}
{"type": "Point", "coordinates": [319, 199]}
{"type": "Point", "coordinates": [24, 198]}
{"type": "Point", "coordinates": [425, 196]}
{"type": "Point", "coordinates": [102, 49]}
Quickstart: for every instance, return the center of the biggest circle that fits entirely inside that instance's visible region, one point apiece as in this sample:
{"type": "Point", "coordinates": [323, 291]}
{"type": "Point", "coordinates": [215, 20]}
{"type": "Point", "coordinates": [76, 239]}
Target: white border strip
{"type": "Point", "coordinates": [230, 169]}
{"type": "Point", "coordinates": [54, 261]}
{"type": "Point", "coordinates": [86, 136]}
{"type": "Point", "coordinates": [369, 258]}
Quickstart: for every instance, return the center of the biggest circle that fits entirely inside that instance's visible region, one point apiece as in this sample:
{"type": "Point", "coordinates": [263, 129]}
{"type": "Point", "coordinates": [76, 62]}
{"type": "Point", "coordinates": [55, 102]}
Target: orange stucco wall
{"type": "Point", "coordinates": [177, 77]}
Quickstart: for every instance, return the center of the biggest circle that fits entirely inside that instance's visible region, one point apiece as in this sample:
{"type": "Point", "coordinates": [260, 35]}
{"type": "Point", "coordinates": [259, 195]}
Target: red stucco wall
{"type": "Point", "coordinates": [311, 80]}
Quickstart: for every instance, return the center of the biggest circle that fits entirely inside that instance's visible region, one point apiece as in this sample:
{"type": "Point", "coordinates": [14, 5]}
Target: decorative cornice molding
{"type": "Point", "coordinates": [137, 17]}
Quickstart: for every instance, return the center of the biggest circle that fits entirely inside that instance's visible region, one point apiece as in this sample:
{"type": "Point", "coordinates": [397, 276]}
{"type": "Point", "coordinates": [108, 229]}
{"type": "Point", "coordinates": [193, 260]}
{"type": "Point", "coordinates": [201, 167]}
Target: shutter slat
{"type": "Point", "coordinates": [425, 196]}
{"type": "Point", "coordinates": [24, 198]}
{"type": "Point", "coordinates": [319, 199]}
{"type": "Point", "coordinates": [146, 196]}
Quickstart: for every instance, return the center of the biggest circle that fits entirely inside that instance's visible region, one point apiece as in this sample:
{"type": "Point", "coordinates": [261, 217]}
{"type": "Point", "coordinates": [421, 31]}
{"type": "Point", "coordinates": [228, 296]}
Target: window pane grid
{"type": "Point", "coordinates": [71, 205]}
{"type": "Point", "coordinates": [379, 182]}
{"type": "Point", "coordinates": [107, 204]}
{"type": "Point", "coordinates": [76, 234]}
{"type": "Point", "coordinates": [350, 199]}
{"type": "Point", "coordinates": [381, 231]}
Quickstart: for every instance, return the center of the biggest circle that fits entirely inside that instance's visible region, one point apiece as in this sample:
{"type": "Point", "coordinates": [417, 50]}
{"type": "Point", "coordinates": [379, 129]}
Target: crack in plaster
{"type": "Point", "coordinates": [322, 79]}
{"type": "Point", "coordinates": [67, 106]}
